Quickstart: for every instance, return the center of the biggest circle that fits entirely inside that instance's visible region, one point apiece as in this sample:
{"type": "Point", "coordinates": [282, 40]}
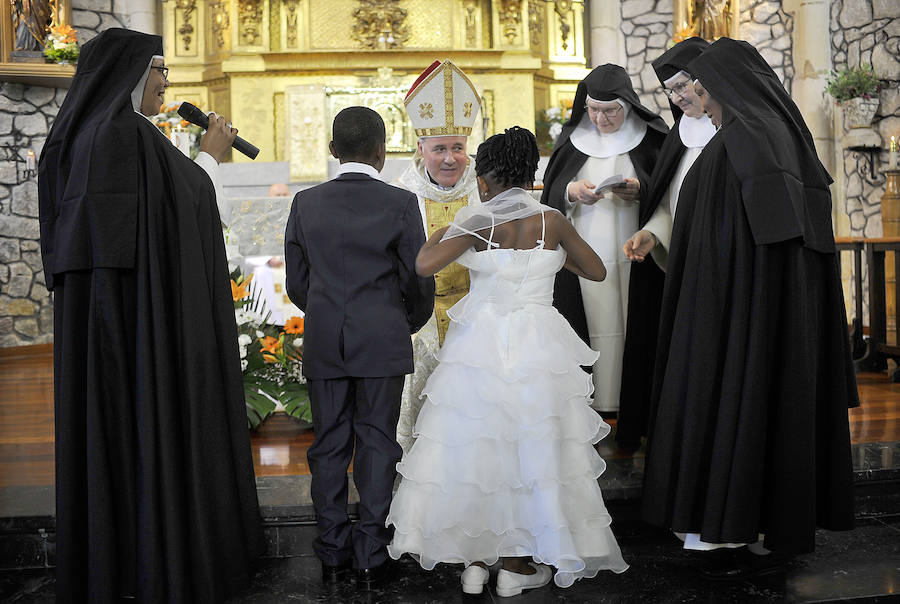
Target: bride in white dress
{"type": "Point", "coordinates": [504, 465]}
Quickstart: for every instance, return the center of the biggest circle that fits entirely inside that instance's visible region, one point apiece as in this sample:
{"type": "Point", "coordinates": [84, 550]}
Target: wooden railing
{"type": "Point", "coordinates": [872, 354]}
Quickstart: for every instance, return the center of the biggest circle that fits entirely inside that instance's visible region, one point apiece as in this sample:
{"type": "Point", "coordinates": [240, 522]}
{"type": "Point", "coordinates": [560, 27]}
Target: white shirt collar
{"type": "Point", "coordinates": [352, 166]}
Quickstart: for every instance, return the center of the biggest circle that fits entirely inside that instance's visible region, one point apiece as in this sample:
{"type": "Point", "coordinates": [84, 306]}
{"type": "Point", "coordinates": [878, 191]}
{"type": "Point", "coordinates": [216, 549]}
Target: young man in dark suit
{"type": "Point", "coordinates": [350, 250]}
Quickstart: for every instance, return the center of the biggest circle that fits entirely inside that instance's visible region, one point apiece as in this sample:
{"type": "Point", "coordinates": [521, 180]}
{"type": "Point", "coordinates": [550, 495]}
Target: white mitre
{"type": "Point", "coordinates": [441, 102]}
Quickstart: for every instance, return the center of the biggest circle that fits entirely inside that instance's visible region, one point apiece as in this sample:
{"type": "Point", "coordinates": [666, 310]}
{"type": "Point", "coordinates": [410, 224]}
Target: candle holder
{"type": "Point", "coordinates": [26, 167]}
{"type": "Point", "coordinates": [871, 151]}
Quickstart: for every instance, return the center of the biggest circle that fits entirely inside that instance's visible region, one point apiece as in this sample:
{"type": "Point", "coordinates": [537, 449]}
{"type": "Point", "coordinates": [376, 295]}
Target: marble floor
{"type": "Point", "coordinates": [862, 565]}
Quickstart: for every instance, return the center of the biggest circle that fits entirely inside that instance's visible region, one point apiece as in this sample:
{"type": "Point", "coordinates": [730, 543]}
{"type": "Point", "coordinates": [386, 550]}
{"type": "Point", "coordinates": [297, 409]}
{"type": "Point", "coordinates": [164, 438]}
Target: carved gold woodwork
{"type": "Point", "coordinates": [535, 21]}
{"type": "Point", "coordinates": [250, 18]}
{"type": "Point", "coordinates": [471, 12]}
{"type": "Point", "coordinates": [709, 19]}
{"type": "Point", "coordinates": [282, 51]}
{"type": "Point", "coordinates": [563, 8]}
{"type": "Point", "coordinates": [292, 22]}
{"type": "Point", "coordinates": [219, 21]}
{"type": "Point", "coordinates": [510, 13]}
{"type": "Point", "coordinates": [186, 23]}
{"type": "Point", "coordinates": [380, 24]}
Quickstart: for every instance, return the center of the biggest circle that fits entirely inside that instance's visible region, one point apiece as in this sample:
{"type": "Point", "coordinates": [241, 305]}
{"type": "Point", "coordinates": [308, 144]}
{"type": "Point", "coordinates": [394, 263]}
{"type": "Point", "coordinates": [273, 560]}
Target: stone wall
{"type": "Point", "coordinates": [867, 32]}
{"type": "Point", "coordinates": [26, 114]}
{"type": "Point", "coordinates": [647, 25]}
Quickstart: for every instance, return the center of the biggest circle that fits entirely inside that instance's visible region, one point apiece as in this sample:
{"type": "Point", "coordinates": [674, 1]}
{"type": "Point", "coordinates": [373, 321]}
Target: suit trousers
{"type": "Point", "coordinates": [348, 412]}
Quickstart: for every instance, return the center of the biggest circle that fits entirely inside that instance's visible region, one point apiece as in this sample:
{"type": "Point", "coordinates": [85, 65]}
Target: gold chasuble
{"type": "Point", "coordinates": [451, 283]}
{"type": "Point", "coordinates": [442, 102]}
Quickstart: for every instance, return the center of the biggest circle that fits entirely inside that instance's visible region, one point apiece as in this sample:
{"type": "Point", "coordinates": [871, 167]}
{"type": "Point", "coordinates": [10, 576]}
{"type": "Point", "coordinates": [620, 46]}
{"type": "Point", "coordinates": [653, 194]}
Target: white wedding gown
{"type": "Point", "coordinates": [503, 463]}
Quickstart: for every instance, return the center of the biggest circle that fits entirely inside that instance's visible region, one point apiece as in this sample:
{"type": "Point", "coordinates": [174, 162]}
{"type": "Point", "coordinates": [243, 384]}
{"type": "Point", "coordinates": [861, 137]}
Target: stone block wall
{"type": "Point", "coordinates": [647, 25]}
{"type": "Point", "coordinates": [26, 114]}
{"type": "Point", "coordinates": [867, 32]}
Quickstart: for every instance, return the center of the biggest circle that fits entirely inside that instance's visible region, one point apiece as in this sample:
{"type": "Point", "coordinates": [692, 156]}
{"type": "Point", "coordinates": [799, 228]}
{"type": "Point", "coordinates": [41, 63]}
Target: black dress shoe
{"type": "Point", "coordinates": [333, 574]}
{"type": "Point", "coordinates": [367, 578]}
{"type": "Point", "coordinates": [746, 564]}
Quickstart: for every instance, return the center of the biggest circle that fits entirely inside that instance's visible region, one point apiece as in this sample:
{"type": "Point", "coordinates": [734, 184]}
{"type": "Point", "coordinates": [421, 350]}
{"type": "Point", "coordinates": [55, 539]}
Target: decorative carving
{"type": "Point", "coordinates": [218, 14]}
{"type": "Point", "coordinates": [563, 7]}
{"type": "Point", "coordinates": [250, 13]}
{"type": "Point", "coordinates": [186, 30]}
{"type": "Point", "coordinates": [510, 13]}
{"type": "Point", "coordinates": [471, 7]}
{"type": "Point", "coordinates": [292, 9]}
{"type": "Point", "coordinates": [535, 21]}
{"type": "Point", "coordinates": [380, 24]}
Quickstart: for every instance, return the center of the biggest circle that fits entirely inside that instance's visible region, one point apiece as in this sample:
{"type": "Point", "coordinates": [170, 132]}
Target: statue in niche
{"type": "Point", "coordinates": [711, 19]}
{"type": "Point", "coordinates": [31, 19]}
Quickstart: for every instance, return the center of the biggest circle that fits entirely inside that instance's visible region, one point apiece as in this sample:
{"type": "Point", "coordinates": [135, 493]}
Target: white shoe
{"type": "Point", "coordinates": [474, 579]}
{"type": "Point", "coordinates": [512, 584]}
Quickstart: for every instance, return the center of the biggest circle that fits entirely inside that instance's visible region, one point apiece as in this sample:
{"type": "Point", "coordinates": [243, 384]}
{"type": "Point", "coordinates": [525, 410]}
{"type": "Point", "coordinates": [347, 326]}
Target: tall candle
{"type": "Point", "coordinates": [893, 153]}
{"type": "Point", "coordinates": [29, 160]}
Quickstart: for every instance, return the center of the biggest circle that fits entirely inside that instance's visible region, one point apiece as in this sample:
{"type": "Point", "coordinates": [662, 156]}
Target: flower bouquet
{"type": "Point", "coordinates": [271, 356]}
{"type": "Point", "coordinates": [182, 133]}
{"type": "Point", "coordinates": [549, 123]}
{"type": "Point", "coordinates": [61, 45]}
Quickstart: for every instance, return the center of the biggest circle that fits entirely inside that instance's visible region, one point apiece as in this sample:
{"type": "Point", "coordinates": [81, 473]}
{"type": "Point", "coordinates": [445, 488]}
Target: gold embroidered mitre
{"type": "Point", "coordinates": [442, 102]}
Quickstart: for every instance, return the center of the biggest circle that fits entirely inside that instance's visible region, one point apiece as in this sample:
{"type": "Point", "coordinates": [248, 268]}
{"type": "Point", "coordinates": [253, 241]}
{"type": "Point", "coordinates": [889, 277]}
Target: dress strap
{"type": "Point", "coordinates": [490, 239]}
{"type": "Point", "coordinates": [540, 242]}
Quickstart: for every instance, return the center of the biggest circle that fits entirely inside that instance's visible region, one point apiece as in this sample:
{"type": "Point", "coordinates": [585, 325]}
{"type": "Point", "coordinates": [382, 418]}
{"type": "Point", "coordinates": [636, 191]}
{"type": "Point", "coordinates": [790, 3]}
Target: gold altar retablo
{"type": "Point", "coordinates": [281, 69]}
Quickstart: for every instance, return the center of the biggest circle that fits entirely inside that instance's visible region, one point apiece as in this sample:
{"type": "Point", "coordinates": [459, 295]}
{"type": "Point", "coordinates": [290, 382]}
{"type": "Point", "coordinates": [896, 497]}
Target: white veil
{"type": "Point", "coordinates": [511, 204]}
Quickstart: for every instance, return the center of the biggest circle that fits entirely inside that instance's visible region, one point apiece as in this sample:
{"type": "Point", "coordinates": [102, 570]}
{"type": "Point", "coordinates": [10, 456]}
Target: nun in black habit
{"type": "Point", "coordinates": [682, 146]}
{"type": "Point", "coordinates": [155, 493]}
{"type": "Point", "coordinates": [749, 440]}
{"type": "Point", "coordinates": [609, 133]}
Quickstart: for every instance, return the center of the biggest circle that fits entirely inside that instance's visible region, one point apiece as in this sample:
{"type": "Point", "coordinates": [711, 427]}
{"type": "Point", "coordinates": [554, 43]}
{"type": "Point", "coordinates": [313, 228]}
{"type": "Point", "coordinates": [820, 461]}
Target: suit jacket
{"type": "Point", "coordinates": [350, 253]}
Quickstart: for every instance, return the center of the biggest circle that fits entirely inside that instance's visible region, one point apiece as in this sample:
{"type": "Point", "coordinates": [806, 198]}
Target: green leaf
{"type": "Point", "coordinates": [259, 407]}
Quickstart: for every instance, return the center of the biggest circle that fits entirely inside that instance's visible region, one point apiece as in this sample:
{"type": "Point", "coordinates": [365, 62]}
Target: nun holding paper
{"type": "Point", "coordinates": [609, 134]}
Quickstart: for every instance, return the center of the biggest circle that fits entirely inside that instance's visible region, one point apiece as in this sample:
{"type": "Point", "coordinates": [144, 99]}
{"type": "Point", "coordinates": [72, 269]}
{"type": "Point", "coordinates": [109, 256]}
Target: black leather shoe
{"type": "Point", "coordinates": [333, 574]}
{"type": "Point", "coordinates": [746, 564]}
{"type": "Point", "coordinates": [367, 578]}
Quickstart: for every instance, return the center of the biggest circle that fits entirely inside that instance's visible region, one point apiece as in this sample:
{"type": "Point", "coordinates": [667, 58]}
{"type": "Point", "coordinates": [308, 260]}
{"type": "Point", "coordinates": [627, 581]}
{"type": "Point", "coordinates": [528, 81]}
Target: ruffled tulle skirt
{"type": "Point", "coordinates": [504, 463]}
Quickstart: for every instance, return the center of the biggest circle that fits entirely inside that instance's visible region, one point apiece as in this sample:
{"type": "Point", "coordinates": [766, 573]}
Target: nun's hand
{"type": "Point", "coordinates": [640, 244]}
{"type": "Point", "coordinates": [582, 191]}
{"type": "Point", "coordinates": [218, 138]}
{"type": "Point", "coordinates": [630, 191]}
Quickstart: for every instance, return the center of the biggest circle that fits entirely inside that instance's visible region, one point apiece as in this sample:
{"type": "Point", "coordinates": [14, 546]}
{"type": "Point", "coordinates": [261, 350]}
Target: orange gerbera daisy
{"type": "Point", "coordinates": [241, 290]}
{"type": "Point", "coordinates": [294, 325]}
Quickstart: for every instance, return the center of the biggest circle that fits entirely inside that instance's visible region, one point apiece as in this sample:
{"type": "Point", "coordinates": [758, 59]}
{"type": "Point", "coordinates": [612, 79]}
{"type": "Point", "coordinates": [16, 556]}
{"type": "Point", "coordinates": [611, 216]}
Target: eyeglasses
{"type": "Point", "coordinates": [678, 89]}
{"type": "Point", "coordinates": [608, 113]}
{"type": "Point", "coordinates": [163, 70]}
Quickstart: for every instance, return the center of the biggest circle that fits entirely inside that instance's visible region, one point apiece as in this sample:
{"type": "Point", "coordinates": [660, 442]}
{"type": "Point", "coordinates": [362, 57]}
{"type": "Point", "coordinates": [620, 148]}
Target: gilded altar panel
{"type": "Point", "coordinates": [308, 133]}
{"type": "Point", "coordinates": [429, 24]}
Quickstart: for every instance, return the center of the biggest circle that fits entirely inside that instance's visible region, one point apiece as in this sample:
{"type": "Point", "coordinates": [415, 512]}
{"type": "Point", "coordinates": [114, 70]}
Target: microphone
{"type": "Point", "coordinates": [193, 114]}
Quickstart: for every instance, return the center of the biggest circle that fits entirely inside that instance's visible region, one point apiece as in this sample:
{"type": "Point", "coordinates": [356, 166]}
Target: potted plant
{"type": "Point", "coordinates": [855, 89]}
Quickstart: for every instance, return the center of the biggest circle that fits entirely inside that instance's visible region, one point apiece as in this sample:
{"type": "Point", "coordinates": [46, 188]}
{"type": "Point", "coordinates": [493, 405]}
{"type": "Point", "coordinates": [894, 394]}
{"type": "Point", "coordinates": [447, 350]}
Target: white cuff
{"type": "Point", "coordinates": [211, 167]}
